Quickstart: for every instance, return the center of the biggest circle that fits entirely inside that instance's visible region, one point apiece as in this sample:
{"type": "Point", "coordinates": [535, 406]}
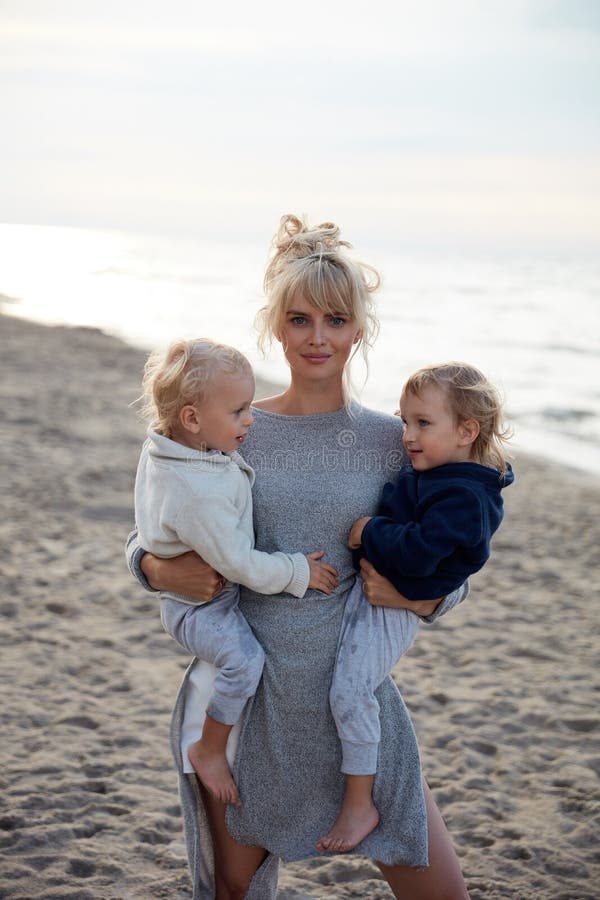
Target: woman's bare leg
{"type": "Point", "coordinates": [235, 864]}
{"type": "Point", "coordinates": [442, 879]}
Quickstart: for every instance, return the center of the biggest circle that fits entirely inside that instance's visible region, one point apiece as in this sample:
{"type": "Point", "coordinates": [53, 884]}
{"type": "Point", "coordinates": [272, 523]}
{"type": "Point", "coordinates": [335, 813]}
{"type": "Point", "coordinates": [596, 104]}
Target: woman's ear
{"type": "Point", "coordinates": [358, 337]}
{"type": "Point", "coordinates": [468, 432]}
{"type": "Point", "coordinates": [189, 418]}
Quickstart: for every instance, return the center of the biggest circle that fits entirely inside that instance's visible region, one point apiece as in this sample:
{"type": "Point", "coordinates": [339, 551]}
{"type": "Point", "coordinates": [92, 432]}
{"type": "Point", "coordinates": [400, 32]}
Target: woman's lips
{"type": "Point", "coordinates": [316, 359]}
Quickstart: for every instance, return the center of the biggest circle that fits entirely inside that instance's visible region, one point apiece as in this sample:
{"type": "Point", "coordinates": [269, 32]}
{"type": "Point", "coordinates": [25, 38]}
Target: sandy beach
{"type": "Point", "coordinates": [503, 692]}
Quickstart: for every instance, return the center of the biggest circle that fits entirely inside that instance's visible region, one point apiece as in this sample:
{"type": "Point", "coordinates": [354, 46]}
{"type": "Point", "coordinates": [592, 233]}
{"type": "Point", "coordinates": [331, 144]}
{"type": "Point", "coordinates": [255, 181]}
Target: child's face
{"type": "Point", "coordinates": [224, 417]}
{"type": "Point", "coordinates": [431, 435]}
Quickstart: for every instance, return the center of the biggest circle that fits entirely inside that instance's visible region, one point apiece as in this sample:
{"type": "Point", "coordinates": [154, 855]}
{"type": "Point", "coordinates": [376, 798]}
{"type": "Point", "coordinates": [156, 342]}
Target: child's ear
{"type": "Point", "coordinates": [189, 418]}
{"type": "Point", "coordinates": [468, 432]}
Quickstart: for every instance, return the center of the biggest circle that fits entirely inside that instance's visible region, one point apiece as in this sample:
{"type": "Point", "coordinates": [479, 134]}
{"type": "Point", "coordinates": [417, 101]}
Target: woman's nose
{"type": "Point", "coordinates": [317, 336]}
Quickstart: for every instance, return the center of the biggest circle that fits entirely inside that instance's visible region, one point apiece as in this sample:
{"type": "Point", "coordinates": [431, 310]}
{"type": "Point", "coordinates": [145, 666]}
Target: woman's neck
{"type": "Point", "coordinates": [306, 399]}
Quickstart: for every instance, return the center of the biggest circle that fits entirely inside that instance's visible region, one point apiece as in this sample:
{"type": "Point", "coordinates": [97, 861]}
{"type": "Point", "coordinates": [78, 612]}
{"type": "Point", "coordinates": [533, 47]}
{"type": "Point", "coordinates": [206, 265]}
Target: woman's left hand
{"type": "Point", "coordinates": [381, 592]}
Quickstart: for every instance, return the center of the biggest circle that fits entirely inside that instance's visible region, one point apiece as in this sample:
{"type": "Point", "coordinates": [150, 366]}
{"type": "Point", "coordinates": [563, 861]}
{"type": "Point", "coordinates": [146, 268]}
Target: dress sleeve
{"type": "Point", "coordinates": [133, 555]}
{"type": "Point", "coordinates": [448, 603]}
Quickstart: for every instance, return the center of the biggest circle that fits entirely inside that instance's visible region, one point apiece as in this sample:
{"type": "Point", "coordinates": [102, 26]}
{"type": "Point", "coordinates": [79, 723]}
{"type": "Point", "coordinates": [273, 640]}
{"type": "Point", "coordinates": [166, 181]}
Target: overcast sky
{"type": "Point", "coordinates": [427, 121]}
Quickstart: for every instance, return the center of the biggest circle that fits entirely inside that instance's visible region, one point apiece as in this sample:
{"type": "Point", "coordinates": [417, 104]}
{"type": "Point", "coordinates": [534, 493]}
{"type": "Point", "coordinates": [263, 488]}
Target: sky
{"type": "Point", "coordinates": [428, 121]}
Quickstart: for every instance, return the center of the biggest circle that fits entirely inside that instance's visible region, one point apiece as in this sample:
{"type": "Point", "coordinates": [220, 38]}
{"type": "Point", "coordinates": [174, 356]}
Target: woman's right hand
{"type": "Point", "coordinates": [187, 574]}
{"type": "Point", "coordinates": [381, 592]}
{"type": "Point", "coordinates": [323, 577]}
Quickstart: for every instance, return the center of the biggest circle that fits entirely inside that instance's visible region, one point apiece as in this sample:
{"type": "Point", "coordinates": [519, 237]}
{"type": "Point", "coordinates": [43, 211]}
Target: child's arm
{"type": "Point", "coordinates": [217, 536]}
{"type": "Point", "coordinates": [355, 536]}
{"type": "Point", "coordinates": [416, 548]}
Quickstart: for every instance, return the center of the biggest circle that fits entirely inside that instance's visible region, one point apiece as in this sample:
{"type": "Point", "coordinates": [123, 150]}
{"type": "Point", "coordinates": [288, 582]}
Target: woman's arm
{"type": "Point", "coordinates": [187, 574]}
{"type": "Point", "coordinates": [381, 592]}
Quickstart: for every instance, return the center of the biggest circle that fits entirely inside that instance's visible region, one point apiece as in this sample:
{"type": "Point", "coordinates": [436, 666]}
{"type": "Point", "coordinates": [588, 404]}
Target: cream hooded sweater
{"type": "Point", "coordinates": [188, 499]}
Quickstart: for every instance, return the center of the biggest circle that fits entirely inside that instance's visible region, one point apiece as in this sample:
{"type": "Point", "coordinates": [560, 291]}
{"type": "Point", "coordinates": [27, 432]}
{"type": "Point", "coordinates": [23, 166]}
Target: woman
{"type": "Point", "coordinates": [320, 462]}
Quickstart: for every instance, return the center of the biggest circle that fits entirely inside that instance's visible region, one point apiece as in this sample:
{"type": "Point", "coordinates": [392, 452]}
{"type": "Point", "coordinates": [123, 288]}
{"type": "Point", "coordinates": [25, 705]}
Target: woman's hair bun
{"type": "Point", "coordinates": [296, 238]}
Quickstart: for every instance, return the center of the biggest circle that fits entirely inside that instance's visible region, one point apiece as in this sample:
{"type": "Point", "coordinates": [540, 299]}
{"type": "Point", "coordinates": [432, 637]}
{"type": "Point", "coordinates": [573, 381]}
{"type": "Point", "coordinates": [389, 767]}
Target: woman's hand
{"type": "Point", "coordinates": [355, 536]}
{"type": "Point", "coordinates": [187, 574]}
{"type": "Point", "coordinates": [381, 592]}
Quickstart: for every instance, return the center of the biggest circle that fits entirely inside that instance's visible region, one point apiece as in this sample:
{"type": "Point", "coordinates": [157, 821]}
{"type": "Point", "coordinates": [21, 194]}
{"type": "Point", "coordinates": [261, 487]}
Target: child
{"type": "Point", "coordinates": [433, 531]}
{"type": "Point", "coordinates": [193, 492]}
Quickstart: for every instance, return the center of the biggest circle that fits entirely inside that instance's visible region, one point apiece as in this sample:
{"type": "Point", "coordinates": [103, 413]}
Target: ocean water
{"type": "Point", "coordinates": [531, 323]}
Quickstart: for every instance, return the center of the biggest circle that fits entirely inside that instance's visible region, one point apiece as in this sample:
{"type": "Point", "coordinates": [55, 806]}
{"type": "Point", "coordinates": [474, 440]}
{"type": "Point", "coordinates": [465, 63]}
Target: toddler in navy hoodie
{"type": "Point", "coordinates": [433, 530]}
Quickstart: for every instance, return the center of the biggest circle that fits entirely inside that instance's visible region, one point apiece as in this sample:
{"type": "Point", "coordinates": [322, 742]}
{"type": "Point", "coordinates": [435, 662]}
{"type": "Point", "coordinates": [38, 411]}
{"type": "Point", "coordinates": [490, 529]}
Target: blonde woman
{"type": "Point", "coordinates": [321, 461]}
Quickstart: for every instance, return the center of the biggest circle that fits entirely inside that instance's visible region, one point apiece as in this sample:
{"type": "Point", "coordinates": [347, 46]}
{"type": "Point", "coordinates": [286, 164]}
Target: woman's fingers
{"type": "Point", "coordinates": [187, 574]}
{"type": "Point", "coordinates": [372, 581]}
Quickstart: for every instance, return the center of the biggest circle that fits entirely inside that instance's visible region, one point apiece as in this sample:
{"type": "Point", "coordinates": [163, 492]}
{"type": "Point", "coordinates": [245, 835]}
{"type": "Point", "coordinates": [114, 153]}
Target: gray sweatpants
{"type": "Point", "coordinates": [372, 640]}
{"type": "Point", "coordinates": [218, 633]}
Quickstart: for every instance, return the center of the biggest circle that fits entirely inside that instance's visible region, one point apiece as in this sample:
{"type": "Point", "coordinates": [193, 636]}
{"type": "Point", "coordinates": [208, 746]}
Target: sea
{"type": "Point", "coordinates": [529, 320]}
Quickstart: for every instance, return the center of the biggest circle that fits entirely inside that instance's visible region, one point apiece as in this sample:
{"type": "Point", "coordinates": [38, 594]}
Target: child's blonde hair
{"type": "Point", "coordinates": [182, 375]}
{"type": "Point", "coordinates": [310, 261]}
{"type": "Point", "coordinates": [470, 396]}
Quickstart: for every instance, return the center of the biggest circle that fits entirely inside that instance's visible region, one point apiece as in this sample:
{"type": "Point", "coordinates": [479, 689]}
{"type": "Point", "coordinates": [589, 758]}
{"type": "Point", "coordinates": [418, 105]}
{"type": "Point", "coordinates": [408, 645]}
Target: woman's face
{"type": "Point", "coordinates": [316, 344]}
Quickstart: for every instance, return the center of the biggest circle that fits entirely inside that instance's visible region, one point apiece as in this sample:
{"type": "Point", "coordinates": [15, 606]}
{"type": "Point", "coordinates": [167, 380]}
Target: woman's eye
{"type": "Point", "coordinates": [298, 320]}
{"type": "Point", "coordinates": [337, 321]}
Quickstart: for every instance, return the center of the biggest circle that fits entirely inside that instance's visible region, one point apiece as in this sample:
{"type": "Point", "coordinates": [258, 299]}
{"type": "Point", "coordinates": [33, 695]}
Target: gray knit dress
{"type": "Point", "coordinates": [315, 475]}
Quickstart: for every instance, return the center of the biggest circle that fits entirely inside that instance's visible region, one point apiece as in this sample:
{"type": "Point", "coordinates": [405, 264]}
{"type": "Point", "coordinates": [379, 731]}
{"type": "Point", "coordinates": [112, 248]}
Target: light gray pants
{"type": "Point", "coordinates": [218, 633]}
{"type": "Point", "coordinates": [372, 640]}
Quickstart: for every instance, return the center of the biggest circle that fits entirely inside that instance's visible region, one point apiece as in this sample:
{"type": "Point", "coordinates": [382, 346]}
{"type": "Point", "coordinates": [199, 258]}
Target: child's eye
{"type": "Point", "coordinates": [423, 423]}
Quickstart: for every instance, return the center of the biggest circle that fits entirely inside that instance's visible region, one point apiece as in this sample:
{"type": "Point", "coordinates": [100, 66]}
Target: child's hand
{"type": "Point", "coordinates": [355, 536]}
{"type": "Point", "coordinates": [322, 576]}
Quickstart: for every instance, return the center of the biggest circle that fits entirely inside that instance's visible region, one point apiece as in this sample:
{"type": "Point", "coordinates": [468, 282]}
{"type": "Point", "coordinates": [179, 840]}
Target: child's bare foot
{"type": "Point", "coordinates": [352, 826]}
{"type": "Point", "coordinates": [213, 771]}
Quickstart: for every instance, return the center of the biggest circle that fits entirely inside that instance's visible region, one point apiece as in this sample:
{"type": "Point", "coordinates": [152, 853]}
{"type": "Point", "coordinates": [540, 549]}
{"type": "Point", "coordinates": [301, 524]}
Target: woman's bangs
{"type": "Point", "coordinates": [332, 294]}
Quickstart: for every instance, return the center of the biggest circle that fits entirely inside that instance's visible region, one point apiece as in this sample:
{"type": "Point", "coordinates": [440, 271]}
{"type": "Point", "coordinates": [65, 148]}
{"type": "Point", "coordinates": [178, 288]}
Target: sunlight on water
{"type": "Point", "coordinates": [531, 325]}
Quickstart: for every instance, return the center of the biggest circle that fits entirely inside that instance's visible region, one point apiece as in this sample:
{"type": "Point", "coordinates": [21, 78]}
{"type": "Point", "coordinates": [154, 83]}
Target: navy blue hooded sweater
{"type": "Point", "coordinates": [434, 527]}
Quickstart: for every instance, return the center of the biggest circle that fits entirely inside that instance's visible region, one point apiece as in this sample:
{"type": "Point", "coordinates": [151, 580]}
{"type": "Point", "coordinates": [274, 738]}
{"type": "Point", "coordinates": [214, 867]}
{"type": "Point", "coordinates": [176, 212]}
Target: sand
{"type": "Point", "coordinates": [503, 691]}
